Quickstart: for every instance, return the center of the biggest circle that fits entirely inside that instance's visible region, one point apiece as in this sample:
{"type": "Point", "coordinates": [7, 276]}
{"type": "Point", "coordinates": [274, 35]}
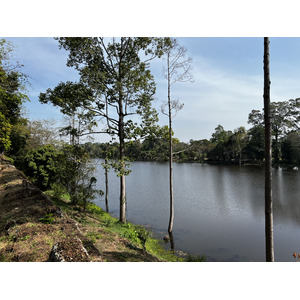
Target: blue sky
{"type": "Point", "coordinates": [227, 72]}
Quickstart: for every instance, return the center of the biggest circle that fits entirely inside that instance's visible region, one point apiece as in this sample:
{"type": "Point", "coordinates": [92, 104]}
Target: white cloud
{"type": "Point", "coordinates": [216, 97]}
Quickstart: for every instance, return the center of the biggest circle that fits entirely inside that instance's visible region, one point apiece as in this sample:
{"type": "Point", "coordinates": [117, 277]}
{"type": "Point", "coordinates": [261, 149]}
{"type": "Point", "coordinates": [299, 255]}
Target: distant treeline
{"type": "Point", "coordinates": [229, 147]}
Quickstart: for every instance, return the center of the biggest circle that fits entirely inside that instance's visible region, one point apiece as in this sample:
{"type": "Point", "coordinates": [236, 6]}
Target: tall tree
{"type": "Point", "coordinates": [12, 85]}
{"type": "Point", "coordinates": [284, 118]}
{"type": "Point", "coordinates": [177, 69]}
{"type": "Point", "coordinates": [239, 138]}
{"type": "Point", "coordinates": [117, 73]}
{"type": "Point", "coordinates": [268, 157]}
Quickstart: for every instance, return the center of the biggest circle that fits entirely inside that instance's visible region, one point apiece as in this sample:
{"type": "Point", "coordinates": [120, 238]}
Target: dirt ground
{"type": "Point", "coordinates": [33, 228]}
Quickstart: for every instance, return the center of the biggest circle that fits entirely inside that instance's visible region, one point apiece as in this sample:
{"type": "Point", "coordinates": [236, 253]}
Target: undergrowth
{"type": "Point", "coordinates": [138, 236]}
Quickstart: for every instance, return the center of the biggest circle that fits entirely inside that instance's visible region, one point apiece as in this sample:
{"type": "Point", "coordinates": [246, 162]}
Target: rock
{"type": "Point", "coordinates": [56, 254]}
{"type": "Point", "coordinates": [69, 250]}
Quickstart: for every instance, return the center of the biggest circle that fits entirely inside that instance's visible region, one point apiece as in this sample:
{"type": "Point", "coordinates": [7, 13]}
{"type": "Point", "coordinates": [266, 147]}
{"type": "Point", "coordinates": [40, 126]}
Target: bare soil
{"type": "Point", "coordinates": [31, 224]}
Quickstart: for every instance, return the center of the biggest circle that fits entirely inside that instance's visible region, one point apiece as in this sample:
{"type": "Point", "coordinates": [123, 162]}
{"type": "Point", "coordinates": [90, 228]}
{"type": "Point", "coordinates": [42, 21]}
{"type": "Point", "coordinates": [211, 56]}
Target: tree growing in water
{"type": "Point", "coordinates": [177, 69]}
{"type": "Point", "coordinates": [117, 74]}
{"type": "Point", "coordinates": [268, 157]}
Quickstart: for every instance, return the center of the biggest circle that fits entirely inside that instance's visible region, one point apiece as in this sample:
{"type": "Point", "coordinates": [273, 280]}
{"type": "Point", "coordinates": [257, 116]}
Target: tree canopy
{"type": "Point", "coordinates": [115, 86]}
{"type": "Point", "coordinates": [11, 94]}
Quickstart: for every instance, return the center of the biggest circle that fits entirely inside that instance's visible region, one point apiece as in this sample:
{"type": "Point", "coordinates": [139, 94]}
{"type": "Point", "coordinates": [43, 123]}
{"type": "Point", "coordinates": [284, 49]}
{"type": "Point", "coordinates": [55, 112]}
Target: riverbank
{"type": "Point", "coordinates": [35, 227]}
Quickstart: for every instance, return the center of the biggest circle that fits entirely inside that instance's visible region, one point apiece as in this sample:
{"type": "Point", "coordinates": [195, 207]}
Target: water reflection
{"type": "Point", "coordinates": [219, 210]}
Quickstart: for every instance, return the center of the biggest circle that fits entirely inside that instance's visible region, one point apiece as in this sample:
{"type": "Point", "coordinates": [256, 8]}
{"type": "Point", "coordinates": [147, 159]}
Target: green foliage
{"type": "Point", "coordinates": [75, 174]}
{"type": "Point", "coordinates": [113, 77]}
{"type": "Point", "coordinates": [290, 149]}
{"type": "Point", "coordinates": [47, 219]}
{"type": "Point", "coordinates": [93, 236]}
{"type": "Point", "coordinates": [197, 258]}
{"type": "Point", "coordinates": [40, 165]}
{"type": "Point", "coordinates": [11, 96]}
{"type": "Point", "coordinates": [5, 141]}
{"type": "Point", "coordinates": [19, 137]}
{"type": "Point", "coordinates": [59, 192]}
{"type": "Point", "coordinates": [285, 119]}
{"type": "Point", "coordinates": [121, 167]}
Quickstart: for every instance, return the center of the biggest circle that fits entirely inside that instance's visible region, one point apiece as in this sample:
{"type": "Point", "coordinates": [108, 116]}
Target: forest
{"type": "Point", "coordinates": [239, 146]}
{"type": "Point", "coordinates": [116, 86]}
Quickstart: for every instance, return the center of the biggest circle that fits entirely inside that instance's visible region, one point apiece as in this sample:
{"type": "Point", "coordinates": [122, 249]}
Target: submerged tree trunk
{"type": "Point", "coordinates": [170, 228]}
{"type": "Point", "coordinates": [122, 200]}
{"type": "Point", "coordinates": [172, 241]}
{"type": "Point", "coordinates": [268, 158]}
{"type": "Point", "coordinates": [106, 184]}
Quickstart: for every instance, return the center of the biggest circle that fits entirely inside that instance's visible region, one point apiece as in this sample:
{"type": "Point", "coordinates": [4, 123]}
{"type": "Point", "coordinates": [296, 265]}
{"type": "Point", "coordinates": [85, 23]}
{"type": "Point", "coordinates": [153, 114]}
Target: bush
{"type": "Point", "coordinates": [40, 165]}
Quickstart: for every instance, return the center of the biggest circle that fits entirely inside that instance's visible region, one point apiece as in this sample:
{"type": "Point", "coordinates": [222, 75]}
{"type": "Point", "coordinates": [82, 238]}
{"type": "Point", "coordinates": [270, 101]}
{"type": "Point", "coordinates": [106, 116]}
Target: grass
{"type": "Point", "coordinates": [104, 230]}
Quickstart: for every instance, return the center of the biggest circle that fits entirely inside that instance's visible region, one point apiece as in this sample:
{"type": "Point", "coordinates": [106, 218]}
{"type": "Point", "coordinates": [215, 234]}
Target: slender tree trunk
{"type": "Point", "coordinates": [73, 127]}
{"type": "Point", "coordinates": [122, 175]}
{"type": "Point", "coordinates": [122, 199]}
{"type": "Point", "coordinates": [276, 149]}
{"type": "Point", "coordinates": [122, 145]}
{"type": "Point", "coordinates": [268, 158]}
{"type": "Point", "coordinates": [172, 241]}
{"type": "Point", "coordinates": [106, 185]}
{"type": "Point", "coordinates": [170, 228]}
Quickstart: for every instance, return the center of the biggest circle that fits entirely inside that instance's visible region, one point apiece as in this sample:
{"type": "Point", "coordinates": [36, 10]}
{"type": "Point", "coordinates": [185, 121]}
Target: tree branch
{"type": "Point", "coordinates": [183, 150]}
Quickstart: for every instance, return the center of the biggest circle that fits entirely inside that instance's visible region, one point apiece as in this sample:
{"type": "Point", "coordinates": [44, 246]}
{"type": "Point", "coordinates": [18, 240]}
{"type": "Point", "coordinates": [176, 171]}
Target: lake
{"type": "Point", "coordinates": [219, 210]}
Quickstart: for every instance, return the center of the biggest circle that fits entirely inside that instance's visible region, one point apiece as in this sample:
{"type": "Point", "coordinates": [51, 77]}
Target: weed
{"type": "Point", "coordinates": [48, 219]}
{"type": "Point", "coordinates": [197, 258]}
{"type": "Point", "coordinates": [50, 243]}
{"type": "Point", "coordinates": [93, 236]}
{"type": "Point", "coordinates": [3, 238]}
{"type": "Point", "coordinates": [24, 238]}
{"type": "Point", "coordinates": [109, 222]}
{"type": "Point", "coordinates": [2, 258]}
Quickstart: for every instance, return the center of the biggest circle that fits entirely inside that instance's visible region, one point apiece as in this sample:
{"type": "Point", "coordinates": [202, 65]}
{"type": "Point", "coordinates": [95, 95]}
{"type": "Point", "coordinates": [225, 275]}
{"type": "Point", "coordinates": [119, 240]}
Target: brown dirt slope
{"type": "Point", "coordinates": [32, 226]}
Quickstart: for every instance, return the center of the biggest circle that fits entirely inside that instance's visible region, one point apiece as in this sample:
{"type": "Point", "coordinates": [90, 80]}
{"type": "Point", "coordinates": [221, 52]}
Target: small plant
{"type": "Point", "coordinates": [93, 236]}
{"type": "Point", "coordinates": [197, 258]}
{"type": "Point", "coordinates": [25, 238]}
{"type": "Point", "coordinates": [59, 192]}
{"type": "Point", "coordinates": [143, 235]}
{"type": "Point", "coordinates": [109, 222]}
{"type": "Point", "coordinates": [48, 219]}
{"type": "Point", "coordinates": [2, 258]}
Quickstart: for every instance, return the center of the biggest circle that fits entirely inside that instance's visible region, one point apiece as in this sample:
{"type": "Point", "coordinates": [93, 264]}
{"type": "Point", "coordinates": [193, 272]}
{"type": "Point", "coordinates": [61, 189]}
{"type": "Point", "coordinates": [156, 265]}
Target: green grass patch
{"type": "Point", "coordinates": [93, 236]}
{"type": "Point", "coordinates": [47, 219]}
{"type": "Point", "coordinates": [197, 258]}
{"type": "Point", "coordinates": [138, 237]}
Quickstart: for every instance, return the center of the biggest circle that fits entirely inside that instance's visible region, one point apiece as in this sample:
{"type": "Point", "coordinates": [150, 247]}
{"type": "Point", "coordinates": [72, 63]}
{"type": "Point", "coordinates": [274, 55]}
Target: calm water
{"type": "Point", "coordinates": [219, 210]}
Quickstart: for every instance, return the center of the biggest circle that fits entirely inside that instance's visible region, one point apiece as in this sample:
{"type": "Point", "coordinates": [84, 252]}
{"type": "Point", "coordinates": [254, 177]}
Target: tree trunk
{"type": "Point", "coordinates": [122, 146]}
{"type": "Point", "coordinates": [170, 228]}
{"type": "Point", "coordinates": [106, 185]}
{"type": "Point", "coordinates": [276, 149]}
{"type": "Point", "coordinates": [122, 200]}
{"type": "Point", "coordinates": [268, 158]}
{"type": "Point", "coordinates": [122, 169]}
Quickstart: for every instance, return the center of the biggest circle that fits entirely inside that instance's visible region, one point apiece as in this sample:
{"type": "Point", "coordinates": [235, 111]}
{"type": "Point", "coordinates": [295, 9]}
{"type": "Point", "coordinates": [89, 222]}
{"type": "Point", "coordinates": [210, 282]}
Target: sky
{"type": "Point", "coordinates": [227, 80]}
